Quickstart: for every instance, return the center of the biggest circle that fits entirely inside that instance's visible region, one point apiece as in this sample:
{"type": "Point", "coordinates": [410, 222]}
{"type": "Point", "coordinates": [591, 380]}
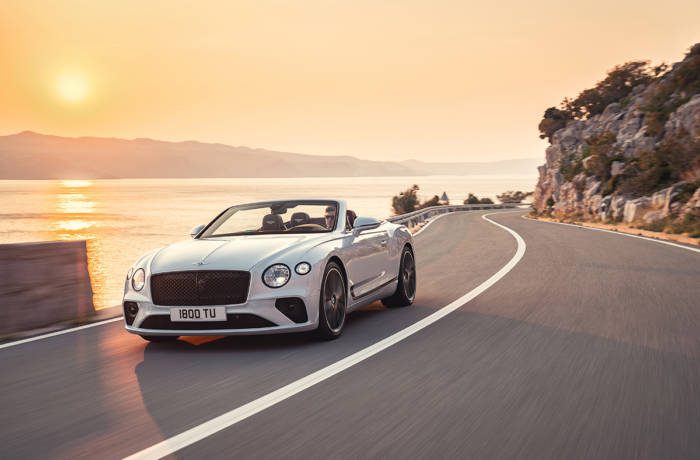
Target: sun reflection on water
{"type": "Point", "coordinates": [75, 203]}
{"type": "Point", "coordinates": [74, 218]}
{"type": "Point", "coordinates": [76, 183]}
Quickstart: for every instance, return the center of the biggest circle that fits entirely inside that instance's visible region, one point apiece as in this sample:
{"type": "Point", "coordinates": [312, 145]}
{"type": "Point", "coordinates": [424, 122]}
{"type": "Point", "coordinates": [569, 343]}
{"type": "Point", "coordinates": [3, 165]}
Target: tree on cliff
{"type": "Point", "coordinates": [554, 119]}
{"type": "Point", "coordinates": [617, 85]}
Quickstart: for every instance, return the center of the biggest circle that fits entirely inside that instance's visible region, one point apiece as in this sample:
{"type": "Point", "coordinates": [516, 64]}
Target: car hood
{"type": "Point", "coordinates": [230, 253]}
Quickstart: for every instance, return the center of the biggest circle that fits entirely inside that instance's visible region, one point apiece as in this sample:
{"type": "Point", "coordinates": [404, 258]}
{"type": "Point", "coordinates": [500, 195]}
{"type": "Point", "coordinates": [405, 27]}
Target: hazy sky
{"type": "Point", "coordinates": [433, 80]}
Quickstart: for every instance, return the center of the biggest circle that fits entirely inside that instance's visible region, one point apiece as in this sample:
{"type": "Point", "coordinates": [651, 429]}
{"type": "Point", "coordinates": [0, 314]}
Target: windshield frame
{"type": "Point", "coordinates": [229, 212]}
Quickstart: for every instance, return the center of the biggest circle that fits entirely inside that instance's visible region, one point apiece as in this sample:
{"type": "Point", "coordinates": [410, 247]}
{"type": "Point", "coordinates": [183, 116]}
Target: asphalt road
{"type": "Point", "coordinates": [588, 348]}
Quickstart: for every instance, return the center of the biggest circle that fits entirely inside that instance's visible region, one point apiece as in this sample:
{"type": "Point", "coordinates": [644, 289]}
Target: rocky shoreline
{"type": "Point", "coordinates": [622, 166]}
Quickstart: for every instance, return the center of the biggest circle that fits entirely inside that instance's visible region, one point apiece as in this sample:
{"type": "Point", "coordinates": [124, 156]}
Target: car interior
{"type": "Point", "coordinates": [299, 221]}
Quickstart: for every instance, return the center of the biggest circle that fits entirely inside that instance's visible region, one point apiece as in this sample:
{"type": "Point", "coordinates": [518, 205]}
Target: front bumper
{"type": "Point", "coordinates": [267, 319]}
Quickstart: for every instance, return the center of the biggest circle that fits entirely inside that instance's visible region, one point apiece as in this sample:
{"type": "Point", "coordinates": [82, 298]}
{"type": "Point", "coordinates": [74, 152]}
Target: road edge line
{"type": "Point", "coordinates": [61, 332]}
{"type": "Point", "coordinates": [653, 240]}
{"type": "Point", "coordinates": [230, 418]}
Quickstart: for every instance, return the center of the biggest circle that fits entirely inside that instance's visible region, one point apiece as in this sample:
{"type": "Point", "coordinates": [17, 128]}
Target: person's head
{"type": "Point", "coordinates": [330, 215]}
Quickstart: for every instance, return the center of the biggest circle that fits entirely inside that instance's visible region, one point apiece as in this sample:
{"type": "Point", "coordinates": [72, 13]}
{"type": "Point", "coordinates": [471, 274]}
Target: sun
{"type": "Point", "coordinates": [72, 87]}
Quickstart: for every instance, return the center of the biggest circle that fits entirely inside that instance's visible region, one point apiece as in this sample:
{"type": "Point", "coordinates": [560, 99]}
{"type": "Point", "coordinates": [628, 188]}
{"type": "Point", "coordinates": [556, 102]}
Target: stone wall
{"type": "Point", "coordinates": [42, 284]}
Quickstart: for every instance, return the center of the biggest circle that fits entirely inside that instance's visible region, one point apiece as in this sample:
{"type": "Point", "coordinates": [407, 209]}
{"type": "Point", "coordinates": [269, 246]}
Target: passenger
{"type": "Point", "coordinates": [330, 217]}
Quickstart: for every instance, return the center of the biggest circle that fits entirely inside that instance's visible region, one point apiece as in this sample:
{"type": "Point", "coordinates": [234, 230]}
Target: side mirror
{"type": "Point", "coordinates": [195, 231]}
{"type": "Point", "coordinates": [365, 223]}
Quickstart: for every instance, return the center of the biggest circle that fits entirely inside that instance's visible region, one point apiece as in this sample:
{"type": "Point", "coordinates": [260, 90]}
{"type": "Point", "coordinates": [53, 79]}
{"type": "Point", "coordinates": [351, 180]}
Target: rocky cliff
{"type": "Point", "coordinates": [636, 159]}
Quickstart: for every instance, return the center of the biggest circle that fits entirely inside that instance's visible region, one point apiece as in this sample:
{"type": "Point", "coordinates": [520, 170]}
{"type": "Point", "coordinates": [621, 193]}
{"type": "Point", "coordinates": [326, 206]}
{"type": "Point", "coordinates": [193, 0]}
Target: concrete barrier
{"type": "Point", "coordinates": [42, 284]}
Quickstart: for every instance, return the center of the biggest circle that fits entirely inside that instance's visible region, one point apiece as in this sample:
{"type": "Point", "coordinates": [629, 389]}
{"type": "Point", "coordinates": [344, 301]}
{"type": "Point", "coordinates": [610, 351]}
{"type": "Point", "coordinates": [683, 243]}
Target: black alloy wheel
{"type": "Point", "coordinates": [332, 303]}
{"type": "Point", "coordinates": [406, 287]}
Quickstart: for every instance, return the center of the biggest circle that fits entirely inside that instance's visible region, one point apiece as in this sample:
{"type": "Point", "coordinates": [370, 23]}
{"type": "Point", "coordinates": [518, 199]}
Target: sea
{"type": "Point", "coordinates": [123, 218]}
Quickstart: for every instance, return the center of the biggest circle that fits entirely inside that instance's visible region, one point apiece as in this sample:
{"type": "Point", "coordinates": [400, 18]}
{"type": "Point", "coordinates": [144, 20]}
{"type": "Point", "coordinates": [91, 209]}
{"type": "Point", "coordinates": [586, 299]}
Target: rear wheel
{"type": "Point", "coordinates": [406, 287]}
{"type": "Point", "coordinates": [160, 338]}
{"type": "Point", "coordinates": [332, 306]}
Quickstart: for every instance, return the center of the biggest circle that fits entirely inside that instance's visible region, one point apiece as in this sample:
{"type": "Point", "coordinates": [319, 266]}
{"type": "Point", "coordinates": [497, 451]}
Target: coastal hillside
{"type": "Point", "coordinates": [30, 155]}
{"type": "Point", "coordinates": [627, 150]}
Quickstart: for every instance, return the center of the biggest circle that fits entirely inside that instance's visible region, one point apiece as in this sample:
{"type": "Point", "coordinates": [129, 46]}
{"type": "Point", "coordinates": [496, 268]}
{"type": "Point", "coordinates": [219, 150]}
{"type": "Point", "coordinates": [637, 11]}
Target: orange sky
{"type": "Point", "coordinates": [433, 80]}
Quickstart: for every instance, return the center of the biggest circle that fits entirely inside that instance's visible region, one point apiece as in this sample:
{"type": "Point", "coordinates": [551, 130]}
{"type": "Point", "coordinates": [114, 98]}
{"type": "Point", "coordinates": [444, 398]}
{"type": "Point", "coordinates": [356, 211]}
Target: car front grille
{"type": "Point", "coordinates": [233, 321]}
{"type": "Point", "coordinates": [200, 288]}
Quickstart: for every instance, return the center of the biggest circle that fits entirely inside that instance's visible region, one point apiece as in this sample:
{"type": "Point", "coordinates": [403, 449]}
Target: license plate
{"type": "Point", "coordinates": [198, 314]}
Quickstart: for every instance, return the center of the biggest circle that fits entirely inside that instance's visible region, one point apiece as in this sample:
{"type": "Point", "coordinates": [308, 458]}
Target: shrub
{"type": "Point", "coordinates": [570, 168]}
{"type": "Point", "coordinates": [689, 224]}
{"type": "Point", "coordinates": [671, 91]}
{"type": "Point", "coordinates": [471, 199]}
{"type": "Point", "coordinates": [661, 167]}
{"type": "Point", "coordinates": [434, 201]}
{"type": "Point", "coordinates": [655, 226]}
{"type": "Point", "coordinates": [513, 197]}
{"type": "Point", "coordinates": [615, 87]}
{"type": "Point", "coordinates": [608, 186]}
{"type": "Point", "coordinates": [686, 191]}
{"type": "Point", "coordinates": [553, 120]}
{"type": "Point", "coordinates": [407, 201]}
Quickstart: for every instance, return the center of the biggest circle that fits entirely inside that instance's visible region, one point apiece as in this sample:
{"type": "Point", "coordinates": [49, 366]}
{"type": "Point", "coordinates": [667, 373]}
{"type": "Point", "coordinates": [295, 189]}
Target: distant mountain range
{"type": "Point", "coordinates": [29, 155]}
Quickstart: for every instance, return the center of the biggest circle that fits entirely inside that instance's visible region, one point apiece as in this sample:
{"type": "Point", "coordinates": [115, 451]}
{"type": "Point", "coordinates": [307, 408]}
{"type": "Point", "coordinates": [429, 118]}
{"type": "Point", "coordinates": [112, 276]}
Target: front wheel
{"type": "Point", "coordinates": [406, 287]}
{"type": "Point", "coordinates": [332, 306]}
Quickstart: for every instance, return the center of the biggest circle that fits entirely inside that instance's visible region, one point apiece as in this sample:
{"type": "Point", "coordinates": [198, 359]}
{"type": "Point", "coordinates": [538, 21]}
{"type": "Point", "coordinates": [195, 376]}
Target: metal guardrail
{"type": "Point", "coordinates": [414, 218]}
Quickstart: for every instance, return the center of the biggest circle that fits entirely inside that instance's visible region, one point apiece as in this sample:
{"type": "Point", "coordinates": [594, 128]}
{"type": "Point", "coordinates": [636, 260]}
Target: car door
{"type": "Point", "coordinates": [367, 262]}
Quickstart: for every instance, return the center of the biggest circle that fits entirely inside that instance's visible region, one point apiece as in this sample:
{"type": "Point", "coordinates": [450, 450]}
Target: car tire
{"type": "Point", "coordinates": [332, 304]}
{"type": "Point", "coordinates": [160, 338]}
{"type": "Point", "coordinates": [406, 288]}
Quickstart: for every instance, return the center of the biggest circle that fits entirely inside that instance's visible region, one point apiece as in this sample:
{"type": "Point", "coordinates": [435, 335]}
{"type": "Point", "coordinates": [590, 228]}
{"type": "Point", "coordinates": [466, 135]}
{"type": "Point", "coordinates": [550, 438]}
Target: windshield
{"type": "Point", "coordinates": [275, 217]}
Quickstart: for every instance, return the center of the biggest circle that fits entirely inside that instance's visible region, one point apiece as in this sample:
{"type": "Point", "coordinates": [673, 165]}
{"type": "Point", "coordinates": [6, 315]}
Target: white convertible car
{"type": "Point", "coordinates": [270, 267]}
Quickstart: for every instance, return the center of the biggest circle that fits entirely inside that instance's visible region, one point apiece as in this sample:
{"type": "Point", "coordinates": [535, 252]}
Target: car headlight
{"type": "Point", "coordinates": [276, 275]}
{"type": "Point", "coordinates": [303, 268]}
{"type": "Point", "coordinates": [138, 279]}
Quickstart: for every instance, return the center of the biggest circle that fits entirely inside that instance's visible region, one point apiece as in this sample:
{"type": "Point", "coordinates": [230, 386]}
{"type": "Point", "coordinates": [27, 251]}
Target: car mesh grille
{"type": "Point", "coordinates": [233, 321]}
{"type": "Point", "coordinates": [195, 288]}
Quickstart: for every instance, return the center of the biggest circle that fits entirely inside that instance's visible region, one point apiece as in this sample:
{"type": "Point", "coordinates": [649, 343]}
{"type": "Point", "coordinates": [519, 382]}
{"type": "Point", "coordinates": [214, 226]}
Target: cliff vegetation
{"type": "Point", "coordinates": [627, 149]}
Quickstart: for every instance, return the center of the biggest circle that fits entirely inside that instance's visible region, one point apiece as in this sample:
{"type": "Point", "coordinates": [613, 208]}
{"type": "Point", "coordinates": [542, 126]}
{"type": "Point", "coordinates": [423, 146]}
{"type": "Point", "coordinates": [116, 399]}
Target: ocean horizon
{"type": "Point", "coordinates": [123, 218]}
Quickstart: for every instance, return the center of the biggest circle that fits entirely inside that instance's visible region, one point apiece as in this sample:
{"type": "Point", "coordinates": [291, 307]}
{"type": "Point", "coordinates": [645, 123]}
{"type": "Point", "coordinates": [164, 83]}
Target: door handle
{"type": "Point", "coordinates": [383, 243]}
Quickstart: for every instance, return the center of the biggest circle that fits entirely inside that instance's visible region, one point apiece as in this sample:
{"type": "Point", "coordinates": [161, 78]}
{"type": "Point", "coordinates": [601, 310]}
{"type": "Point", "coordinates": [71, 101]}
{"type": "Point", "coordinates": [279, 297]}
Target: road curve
{"type": "Point", "coordinates": [588, 348]}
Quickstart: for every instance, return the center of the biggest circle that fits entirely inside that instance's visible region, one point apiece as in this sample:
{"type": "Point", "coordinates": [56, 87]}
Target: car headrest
{"type": "Point", "coordinates": [299, 218]}
{"type": "Point", "coordinates": [350, 216]}
{"type": "Point", "coordinates": [272, 222]}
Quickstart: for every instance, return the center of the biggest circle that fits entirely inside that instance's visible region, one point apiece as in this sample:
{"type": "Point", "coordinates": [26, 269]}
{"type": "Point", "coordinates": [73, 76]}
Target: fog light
{"type": "Point", "coordinates": [131, 309]}
{"type": "Point", "coordinates": [293, 308]}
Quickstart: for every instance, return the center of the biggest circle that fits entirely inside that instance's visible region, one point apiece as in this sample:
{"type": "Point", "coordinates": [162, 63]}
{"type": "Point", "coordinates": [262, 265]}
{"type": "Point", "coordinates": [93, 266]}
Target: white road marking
{"type": "Point", "coordinates": [54, 334]}
{"type": "Point", "coordinates": [617, 233]}
{"type": "Point", "coordinates": [206, 429]}
{"type": "Point", "coordinates": [456, 212]}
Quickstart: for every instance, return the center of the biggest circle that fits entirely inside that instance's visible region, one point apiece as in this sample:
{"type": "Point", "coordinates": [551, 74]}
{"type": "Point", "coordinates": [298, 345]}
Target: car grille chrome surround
{"type": "Point", "coordinates": [200, 288]}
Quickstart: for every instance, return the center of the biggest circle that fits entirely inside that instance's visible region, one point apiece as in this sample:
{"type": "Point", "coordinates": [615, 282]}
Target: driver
{"type": "Point", "coordinates": [329, 215]}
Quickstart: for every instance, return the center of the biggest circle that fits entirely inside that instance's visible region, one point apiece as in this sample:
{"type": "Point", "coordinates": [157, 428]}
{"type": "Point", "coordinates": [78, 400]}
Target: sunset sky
{"type": "Point", "coordinates": [432, 80]}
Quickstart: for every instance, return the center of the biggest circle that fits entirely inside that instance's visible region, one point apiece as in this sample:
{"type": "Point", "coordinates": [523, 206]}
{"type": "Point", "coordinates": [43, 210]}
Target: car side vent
{"type": "Point", "coordinates": [293, 308]}
{"type": "Point", "coordinates": [131, 309]}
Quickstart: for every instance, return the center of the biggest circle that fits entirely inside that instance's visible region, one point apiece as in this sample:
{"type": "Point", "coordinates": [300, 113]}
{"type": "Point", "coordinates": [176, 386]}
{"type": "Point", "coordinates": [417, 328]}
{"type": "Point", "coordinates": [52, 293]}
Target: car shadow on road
{"type": "Point", "coordinates": [190, 373]}
{"type": "Point", "coordinates": [560, 391]}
